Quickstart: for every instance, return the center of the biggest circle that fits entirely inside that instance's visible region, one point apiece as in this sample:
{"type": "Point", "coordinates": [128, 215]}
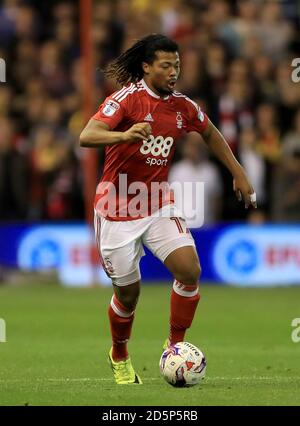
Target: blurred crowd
{"type": "Point", "coordinates": [236, 63]}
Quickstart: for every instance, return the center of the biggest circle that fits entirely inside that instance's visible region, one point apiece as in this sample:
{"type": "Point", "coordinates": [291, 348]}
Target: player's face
{"type": "Point", "coordinates": [162, 74]}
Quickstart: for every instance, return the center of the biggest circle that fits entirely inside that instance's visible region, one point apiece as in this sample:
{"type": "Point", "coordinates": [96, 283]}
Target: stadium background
{"type": "Point", "coordinates": [236, 63]}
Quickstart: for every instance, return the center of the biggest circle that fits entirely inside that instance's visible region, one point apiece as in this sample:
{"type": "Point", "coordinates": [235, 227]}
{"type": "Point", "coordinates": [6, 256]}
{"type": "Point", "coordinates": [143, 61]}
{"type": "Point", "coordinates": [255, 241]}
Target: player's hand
{"type": "Point", "coordinates": [137, 132]}
{"type": "Point", "coordinates": [244, 190]}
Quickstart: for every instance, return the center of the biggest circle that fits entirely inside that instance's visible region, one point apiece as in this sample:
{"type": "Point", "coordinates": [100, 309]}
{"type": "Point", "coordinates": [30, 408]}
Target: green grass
{"type": "Point", "coordinates": [58, 338]}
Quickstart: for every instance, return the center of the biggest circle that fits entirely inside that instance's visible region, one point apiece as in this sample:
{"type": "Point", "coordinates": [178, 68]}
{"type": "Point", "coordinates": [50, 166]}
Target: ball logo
{"type": "Point", "coordinates": [186, 367]}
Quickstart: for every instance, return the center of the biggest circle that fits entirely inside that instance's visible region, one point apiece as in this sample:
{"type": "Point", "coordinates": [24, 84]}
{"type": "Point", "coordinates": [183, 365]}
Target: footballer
{"type": "Point", "coordinates": [139, 125]}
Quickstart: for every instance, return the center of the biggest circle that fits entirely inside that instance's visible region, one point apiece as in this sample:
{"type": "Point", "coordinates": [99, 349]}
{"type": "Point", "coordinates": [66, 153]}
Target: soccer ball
{"type": "Point", "coordinates": [182, 364]}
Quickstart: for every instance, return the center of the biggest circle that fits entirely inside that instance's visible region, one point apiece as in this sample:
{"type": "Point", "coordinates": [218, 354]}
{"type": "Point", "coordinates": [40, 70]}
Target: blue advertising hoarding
{"type": "Point", "coordinates": [243, 255]}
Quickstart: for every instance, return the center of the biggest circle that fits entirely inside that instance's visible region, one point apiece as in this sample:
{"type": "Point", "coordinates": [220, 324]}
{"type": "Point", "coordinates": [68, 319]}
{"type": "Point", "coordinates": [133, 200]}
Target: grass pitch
{"type": "Point", "coordinates": [58, 338]}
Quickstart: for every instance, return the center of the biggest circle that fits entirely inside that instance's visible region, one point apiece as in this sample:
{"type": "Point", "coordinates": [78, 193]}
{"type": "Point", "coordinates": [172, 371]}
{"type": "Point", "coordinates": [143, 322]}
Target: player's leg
{"type": "Point", "coordinates": [121, 315]}
{"type": "Point", "coordinates": [122, 266]}
{"type": "Point", "coordinates": [128, 295]}
{"type": "Point", "coordinates": [184, 265]}
{"type": "Point", "coordinates": [121, 311]}
{"type": "Point", "coordinates": [170, 240]}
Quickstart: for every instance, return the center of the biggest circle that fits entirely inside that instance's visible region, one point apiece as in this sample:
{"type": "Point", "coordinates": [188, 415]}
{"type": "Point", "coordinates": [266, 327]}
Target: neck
{"type": "Point", "coordinates": [150, 85]}
{"type": "Point", "coordinates": [153, 91]}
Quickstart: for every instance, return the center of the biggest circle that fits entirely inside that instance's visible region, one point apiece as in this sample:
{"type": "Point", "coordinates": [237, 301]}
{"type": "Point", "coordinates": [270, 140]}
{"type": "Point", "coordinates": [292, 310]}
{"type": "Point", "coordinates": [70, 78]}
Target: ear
{"type": "Point", "coordinates": [146, 67]}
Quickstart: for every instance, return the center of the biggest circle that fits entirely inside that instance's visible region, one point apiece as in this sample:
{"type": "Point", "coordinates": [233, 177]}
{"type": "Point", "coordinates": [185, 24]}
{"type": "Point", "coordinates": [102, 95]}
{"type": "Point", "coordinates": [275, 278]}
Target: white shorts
{"type": "Point", "coordinates": [120, 243]}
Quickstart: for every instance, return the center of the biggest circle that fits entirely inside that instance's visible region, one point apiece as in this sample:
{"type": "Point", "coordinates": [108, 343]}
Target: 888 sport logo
{"type": "Point", "coordinates": [157, 146]}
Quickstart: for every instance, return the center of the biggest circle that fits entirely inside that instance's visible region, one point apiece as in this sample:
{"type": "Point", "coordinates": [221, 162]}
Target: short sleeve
{"type": "Point", "coordinates": [198, 120]}
{"type": "Point", "coordinates": [111, 112]}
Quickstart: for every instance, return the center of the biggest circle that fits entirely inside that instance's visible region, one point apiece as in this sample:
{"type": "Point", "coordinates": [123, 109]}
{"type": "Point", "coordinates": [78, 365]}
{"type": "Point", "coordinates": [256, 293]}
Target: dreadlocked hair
{"type": "Point", "coordinates": [127, 68]}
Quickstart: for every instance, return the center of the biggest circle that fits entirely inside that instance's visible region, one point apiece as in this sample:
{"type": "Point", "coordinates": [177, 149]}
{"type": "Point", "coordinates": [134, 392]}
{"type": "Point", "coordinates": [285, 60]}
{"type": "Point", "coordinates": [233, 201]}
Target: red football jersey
{"type": "Point", "coordinates": [133, 171]}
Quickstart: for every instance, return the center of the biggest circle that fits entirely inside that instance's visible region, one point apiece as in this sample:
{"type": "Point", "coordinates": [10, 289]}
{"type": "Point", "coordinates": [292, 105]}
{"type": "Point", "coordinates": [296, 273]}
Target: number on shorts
{"type": "Point", "coordinates": [178, 224]}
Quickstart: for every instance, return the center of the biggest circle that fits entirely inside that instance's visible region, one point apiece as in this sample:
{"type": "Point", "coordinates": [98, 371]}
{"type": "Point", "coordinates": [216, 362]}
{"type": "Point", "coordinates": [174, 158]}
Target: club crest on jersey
{"type": "Point", "coordinates": [179, 120]}
{"type": "Point", "coordinates": [110, 108]}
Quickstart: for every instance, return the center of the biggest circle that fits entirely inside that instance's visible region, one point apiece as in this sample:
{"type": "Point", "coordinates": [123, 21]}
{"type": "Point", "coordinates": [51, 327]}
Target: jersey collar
{"type": "Point", "coordinates": [151, 93]}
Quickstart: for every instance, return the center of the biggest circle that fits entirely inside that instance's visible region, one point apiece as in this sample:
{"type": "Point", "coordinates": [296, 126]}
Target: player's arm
{"type": "Point", "coordinates": [97, 133]}
{"type": "Point", "coordinates": [218, 145]}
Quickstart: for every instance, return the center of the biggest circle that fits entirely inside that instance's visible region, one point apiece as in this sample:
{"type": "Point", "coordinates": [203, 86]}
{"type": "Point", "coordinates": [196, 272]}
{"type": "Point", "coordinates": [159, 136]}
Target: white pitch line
{"type": "Point", "coordinates": [207, 379]}
{"type": "Point", "coordinates": [254, 378]}
{"type": "Point", "coordinates": [66, 380]}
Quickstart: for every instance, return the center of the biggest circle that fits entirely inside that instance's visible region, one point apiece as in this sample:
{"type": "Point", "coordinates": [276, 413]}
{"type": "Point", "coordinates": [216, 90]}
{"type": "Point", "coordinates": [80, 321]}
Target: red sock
{"type": "Point", "coordinates": [184, 301]}
{"type": "Point", "coordinates": [121, 320]}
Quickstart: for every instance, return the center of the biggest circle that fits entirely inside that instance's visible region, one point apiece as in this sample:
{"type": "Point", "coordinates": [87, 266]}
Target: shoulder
{"type": "Point", "coordinates": [193, 110]}
{"type": "Point", "coordinates": [185, 100]}
{"type": "Point", "coordinates": [126, 94]}
{"type": "Point", "coordinates": [122, 102]}
{"type": "Point", "coordinates": [116, 106]}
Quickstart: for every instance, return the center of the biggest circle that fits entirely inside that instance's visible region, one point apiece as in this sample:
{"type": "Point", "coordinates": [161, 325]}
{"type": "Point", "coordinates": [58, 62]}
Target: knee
{"type": "Point", "coordinates": [189, 274]}
{"type": "Point", "coordinates": [128, 298]}
{"type": "Point", "coordinates": [129, 302]}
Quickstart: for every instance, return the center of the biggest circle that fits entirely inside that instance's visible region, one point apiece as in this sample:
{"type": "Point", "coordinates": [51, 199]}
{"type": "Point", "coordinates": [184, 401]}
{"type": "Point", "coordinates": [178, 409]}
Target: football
{"type": "Point", "coordinates": [182, 364]}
